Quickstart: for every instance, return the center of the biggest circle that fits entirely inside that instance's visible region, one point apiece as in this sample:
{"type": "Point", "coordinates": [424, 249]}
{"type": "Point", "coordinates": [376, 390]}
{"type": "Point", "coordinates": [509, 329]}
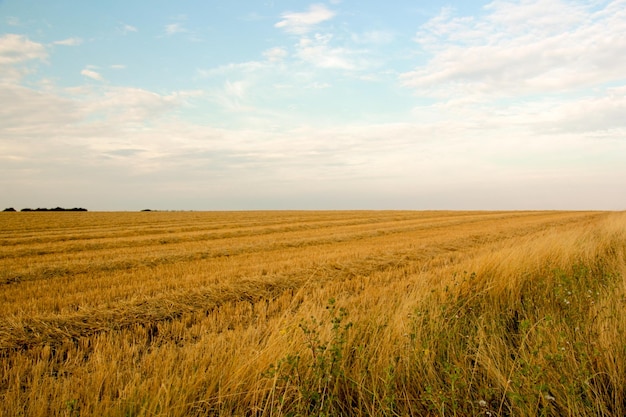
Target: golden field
{"type": "Point", "coordinates": [351, 313]}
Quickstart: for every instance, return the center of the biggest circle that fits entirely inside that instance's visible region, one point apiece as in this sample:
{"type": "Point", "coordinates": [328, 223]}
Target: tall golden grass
{"type": "Point", "coordinates": [313, 313]}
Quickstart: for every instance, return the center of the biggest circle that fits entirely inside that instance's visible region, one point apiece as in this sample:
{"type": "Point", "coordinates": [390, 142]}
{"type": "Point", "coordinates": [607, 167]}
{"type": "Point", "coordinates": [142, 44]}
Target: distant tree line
{"type": "Point", "coordinates": [48, 209]}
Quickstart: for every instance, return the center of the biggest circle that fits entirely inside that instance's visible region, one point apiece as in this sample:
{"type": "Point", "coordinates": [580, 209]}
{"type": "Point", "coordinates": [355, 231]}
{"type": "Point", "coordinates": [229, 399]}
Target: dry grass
{"type": "Point", "coordinates": [312, 313]}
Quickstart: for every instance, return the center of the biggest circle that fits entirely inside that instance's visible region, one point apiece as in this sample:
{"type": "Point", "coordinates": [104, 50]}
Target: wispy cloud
{"type": "Point", "coordinates": [321, 48]}
{"type": "Point", "coordinates": [234, 96]}
{"type": "Point", "coordinates": [317, 50]}
{"type": "Point", "coordinates": [234, 68]}
{"type": "Point", "coordinates": [13, 21]}
{"type": "Point", "coordinates": [318, 86]}
{"type": "Point", "coordinates": [174, 28]}
{"type": "Point", "coordinates": [275, 54]}
{"type": "Point", "coordinates": [133, 105]}
{"type": "Point", "coordinates": [34, 112]}
{"type": "Point", "coordinates": [595, 115]}
{"type": "Point", "coordinates": [375, 37]}
{"type": "Point", "coordinates": [304, 22]}
{"type": "Point", "coordinates": [530, 47]}
{"type": "Point", "coordinates": [126, 28]}
{"type": "Point", "coordinates": [94, 75]}
{"type": "Point", "coordinates": [18, 56]}
{"type": "Point", "coordinates": [18, 48]}
{"type": "Point", "coordinates": [69, 42]}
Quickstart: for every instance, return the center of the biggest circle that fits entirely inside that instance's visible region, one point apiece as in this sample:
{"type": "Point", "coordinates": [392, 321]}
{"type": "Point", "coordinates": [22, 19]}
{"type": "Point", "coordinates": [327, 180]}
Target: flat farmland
{"type": "Point", "coordinates": [383, 313]}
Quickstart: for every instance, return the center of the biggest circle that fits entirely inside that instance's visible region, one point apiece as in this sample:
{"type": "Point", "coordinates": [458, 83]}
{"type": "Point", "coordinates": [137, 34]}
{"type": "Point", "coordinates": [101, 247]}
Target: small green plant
{"type": "Point", "coordinates": [71, 407]}
{"type": "Point", "coordinates": [318, 379]}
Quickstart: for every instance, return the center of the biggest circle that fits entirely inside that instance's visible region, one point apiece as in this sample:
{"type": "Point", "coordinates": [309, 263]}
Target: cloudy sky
{"type": "Point", "coordinates": [231, 105]}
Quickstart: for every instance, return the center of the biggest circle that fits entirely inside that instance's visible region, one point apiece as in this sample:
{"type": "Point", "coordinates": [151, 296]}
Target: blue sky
{"type": "Point", "coordinates": [313, 105]}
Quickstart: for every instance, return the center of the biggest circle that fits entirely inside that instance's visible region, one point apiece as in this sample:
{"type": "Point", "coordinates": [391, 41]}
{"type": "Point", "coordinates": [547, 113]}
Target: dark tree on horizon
{"type": "Point", "coordinates": [54, 209]}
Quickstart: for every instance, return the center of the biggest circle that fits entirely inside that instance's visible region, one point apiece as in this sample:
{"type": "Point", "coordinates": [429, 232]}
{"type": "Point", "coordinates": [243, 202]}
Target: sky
{"type": "Point", "coordinates": [289, 104]}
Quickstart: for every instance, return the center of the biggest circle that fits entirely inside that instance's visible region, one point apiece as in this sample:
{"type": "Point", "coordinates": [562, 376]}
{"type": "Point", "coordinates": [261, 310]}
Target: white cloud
{"type": "Point", "coordinates": [133, 105]}
{"type": "Point", "coordinates": [541, 17]}
{"type": "Point", "coordinates": [236, 89]}
{"type": "Point", "coordinates": [528, 47]}
{"type": "Point", "coordinates": [375, 37]}
{"type": "Point", "coordinates": [318, 86]}
{"type": "Point", "coordinates": [233, 96]}
{"type": "Point", "coordinates": [18, 48]}
{"type": "Point", "coordinates": [588, 115]}
{"type": "Point", "coordinates": [92, 74]}
{"type": "Point", "coordinates": [275, 54]}
{"type": "Point", "coordinates": [243, 67]}
{"type": "Point", "coordinates": [125, 29]}
{"type": "Point", "coordinates": [317, 50]}
{"type": "Point", "coordinates": [19, 56]}
{"type": "Point", "coordinates": [304, 22]}
{"type": "Point", "coordinates": [34, 112]}
{"type": "Point", "coordinates": [69, 42]}
{"type": "Point", "coordinates": [538, 70]}
{"type": "Point", "coordinates": [174, 28]}
{"type": "Point", "coordinates": [81, 113]}
{"type": "Point", "coordinates": [118, 66]}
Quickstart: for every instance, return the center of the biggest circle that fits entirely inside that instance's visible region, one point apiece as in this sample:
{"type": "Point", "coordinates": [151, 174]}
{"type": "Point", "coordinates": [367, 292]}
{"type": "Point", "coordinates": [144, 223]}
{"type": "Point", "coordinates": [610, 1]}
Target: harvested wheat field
{"type": "Point", "coordinates": [345, 313]}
